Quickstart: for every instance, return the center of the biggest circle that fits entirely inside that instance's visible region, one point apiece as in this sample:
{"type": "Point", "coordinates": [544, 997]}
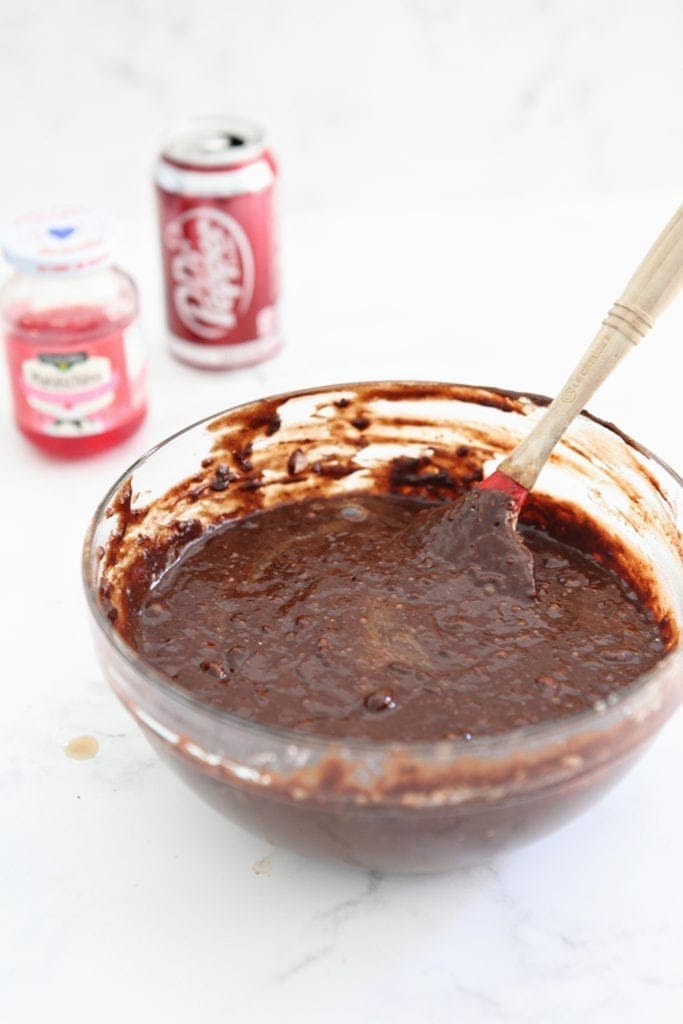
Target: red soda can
{"type": "Point", "coordinates": [215, 181]}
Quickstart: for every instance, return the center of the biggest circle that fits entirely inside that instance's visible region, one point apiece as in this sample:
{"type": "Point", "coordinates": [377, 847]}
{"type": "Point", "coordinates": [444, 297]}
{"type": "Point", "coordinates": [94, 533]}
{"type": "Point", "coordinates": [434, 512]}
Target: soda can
{"type": "Point", "coordinates": [215, 181]}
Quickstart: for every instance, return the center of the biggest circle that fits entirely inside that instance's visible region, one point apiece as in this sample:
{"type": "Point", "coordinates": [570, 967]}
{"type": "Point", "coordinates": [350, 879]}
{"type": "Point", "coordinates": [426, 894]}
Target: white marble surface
{"type": "Point", "coordinates": [552, 162]}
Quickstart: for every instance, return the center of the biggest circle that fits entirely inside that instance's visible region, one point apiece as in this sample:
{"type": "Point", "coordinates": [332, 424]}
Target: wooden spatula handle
{"type": "Point", "coordinates": [655, 283]}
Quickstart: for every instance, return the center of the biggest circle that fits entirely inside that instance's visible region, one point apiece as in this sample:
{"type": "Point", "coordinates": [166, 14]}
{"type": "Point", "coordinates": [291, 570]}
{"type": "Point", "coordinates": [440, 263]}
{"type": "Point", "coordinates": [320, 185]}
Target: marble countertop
{"type": "Point", "coordinates": [125, 898]}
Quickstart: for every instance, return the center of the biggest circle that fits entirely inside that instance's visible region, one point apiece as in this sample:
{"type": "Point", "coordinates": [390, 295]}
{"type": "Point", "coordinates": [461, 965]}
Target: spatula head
{"type": "Point", "coordinates": [477, 535]}
{"type": "Point", "coordinates": [499, 481]}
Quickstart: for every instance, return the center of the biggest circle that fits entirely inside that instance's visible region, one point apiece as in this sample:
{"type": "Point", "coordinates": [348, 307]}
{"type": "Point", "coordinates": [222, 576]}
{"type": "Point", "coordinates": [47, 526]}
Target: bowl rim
{"type": "Point", "coordinates": [497, 745]}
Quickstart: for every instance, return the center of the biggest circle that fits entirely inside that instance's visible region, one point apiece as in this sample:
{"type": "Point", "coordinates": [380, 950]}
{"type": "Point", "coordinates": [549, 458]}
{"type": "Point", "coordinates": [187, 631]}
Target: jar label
{"type": "Point", "coordinates": [90, 389]}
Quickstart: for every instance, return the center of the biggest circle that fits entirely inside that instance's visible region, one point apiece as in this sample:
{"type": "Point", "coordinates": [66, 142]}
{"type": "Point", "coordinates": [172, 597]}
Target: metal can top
{"type": "Point", "coordinates": [212, 142]}
{"type": "Point", "coordinates": [59, 241]}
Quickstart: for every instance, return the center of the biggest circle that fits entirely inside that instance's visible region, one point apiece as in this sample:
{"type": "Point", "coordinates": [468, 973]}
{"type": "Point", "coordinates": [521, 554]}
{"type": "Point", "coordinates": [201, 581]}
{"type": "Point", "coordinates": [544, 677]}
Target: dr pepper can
{"type": "Point", "coordinates": [215, 181]}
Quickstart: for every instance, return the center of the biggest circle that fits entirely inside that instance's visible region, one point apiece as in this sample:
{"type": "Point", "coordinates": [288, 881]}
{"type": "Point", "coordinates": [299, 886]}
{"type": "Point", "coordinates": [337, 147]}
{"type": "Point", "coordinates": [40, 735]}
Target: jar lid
{"type": "Point", "coordinates": [59, 240]}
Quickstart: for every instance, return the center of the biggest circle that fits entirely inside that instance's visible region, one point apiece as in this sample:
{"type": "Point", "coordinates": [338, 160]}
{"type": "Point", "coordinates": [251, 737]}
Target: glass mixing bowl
{"type": "Point", "coordinates": [396, 807]}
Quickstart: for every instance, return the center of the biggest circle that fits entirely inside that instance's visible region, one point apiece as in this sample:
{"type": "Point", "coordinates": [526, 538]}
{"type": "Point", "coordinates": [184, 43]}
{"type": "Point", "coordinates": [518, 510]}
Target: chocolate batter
{"type": "Point", "coordinates": [359, 616]}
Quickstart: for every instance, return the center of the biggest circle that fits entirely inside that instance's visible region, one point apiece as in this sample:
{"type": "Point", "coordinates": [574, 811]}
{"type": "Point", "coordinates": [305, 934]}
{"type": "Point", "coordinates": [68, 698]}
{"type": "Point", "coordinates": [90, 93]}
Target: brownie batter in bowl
{"type": "Point", "coordinates": [278, 603]}
{"type": "Point", "coordinates": [334, 616]}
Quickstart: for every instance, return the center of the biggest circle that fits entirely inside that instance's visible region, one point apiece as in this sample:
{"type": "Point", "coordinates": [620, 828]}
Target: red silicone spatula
{"type": "Point", "coordinates": [654, 284]}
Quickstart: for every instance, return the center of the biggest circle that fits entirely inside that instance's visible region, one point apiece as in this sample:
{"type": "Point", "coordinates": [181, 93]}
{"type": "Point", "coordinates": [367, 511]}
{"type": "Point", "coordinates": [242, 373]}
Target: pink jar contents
{"type": "Point", "coordinates": [76, 361]}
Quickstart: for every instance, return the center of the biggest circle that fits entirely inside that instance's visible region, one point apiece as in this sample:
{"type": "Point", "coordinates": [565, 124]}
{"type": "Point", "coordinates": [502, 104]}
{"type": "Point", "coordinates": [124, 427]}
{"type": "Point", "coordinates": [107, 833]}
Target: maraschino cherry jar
{"type": "Point", "coordinates": [70, 319]}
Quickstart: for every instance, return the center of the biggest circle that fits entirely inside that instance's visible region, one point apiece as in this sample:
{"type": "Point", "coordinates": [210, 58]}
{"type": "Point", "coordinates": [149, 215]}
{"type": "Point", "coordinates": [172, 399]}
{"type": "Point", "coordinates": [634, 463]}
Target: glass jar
{"type": "Point", "coordinates": [75, 357]}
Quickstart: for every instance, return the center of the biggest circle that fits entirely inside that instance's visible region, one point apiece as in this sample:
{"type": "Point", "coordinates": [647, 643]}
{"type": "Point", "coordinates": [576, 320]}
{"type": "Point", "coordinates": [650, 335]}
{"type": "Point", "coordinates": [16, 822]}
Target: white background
{"type": "Point", "coordinates": [465, 188]}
